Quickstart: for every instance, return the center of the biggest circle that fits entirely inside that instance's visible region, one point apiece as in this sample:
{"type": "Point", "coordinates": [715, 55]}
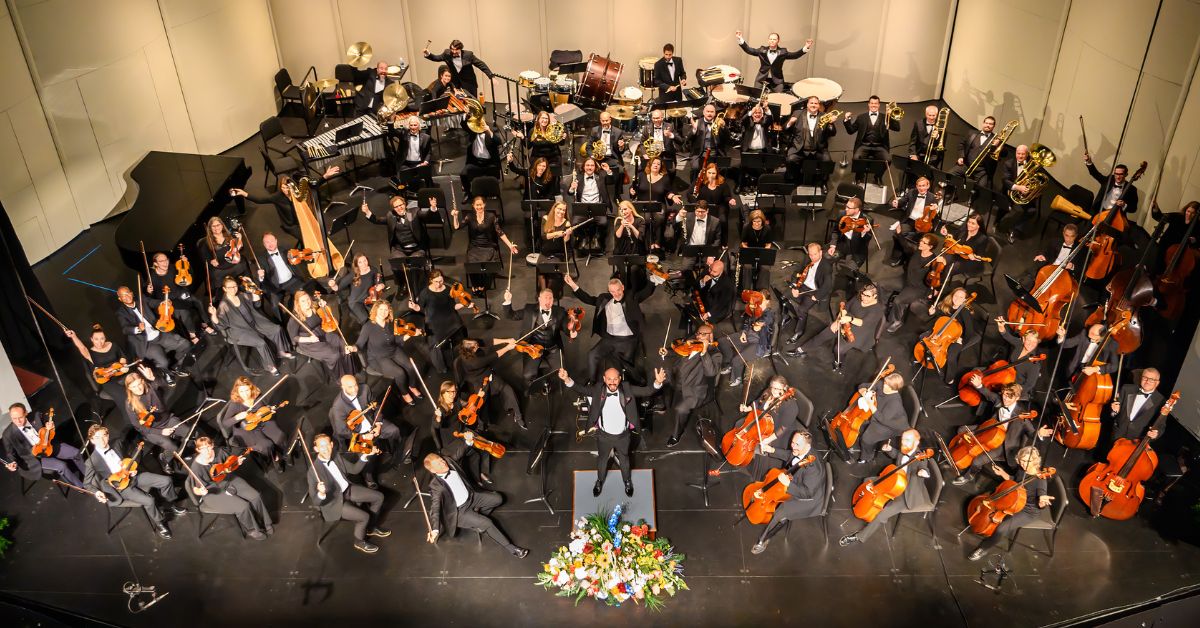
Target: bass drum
{"type": "Point", "coordinates": [599, 82]}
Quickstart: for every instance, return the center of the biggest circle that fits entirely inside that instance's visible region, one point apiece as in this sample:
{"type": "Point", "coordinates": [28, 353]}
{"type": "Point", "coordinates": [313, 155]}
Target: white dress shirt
{"type": "Point", "coordinates": [591, 189]}
{"type": "Point", "coordinates": [414, 147]}
{"type": "Point", "coordinates": [698, 233]}
{"type": "Point", "coordinates": [614, 314]}
{"type": "Point", "coordinates": [30, 434]}
{"type": "Point", "coordinates": [111, 459]}
{"type": "Point", "coordinates": [1139, 400]}
{"type": "Point", "coordinates": [1063, 253]}
{"type": "Point", "coordinates": [810, 281]}
{"type": "Point", "coordinates": [458, 488]}
{"type": "Point", "coordinates": [151, 332]}
{"type": "Point", "coordinates": [612, 415]}
{"type": "Point", "coordinates": [281, 267]}
{"type": "Point", "coordinates": [757, 141]}
{"type": "Point", "coordinates": [479, 147]}
{"type": "Point", "coordinates": [918, 208]}
{"type": "Point", "coordinates": [336, 474]}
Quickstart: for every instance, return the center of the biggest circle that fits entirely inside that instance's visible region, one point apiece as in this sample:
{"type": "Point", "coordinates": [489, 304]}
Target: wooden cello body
{"type": "Point", "coordinates": [848, 423]}
{"type": "Point", "coordinates": [312, 235]}
{"type": "Point", "coordinates": [986, 512]}
{"type": "Point", "coordinates": [871, 497]}
{"type": "Point", "coordinates": [760, 511]}
{"type": "Point", "coordinates": [1054, 289]}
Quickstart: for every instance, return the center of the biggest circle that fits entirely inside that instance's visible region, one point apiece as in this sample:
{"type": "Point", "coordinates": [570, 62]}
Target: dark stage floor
{"type": "Point", "coordinates": [64, 559]}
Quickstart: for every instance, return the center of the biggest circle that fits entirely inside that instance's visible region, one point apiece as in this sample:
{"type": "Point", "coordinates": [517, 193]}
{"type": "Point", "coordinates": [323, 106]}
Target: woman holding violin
{"type": "Point", "coordinates": [221, 251]}
{"type": "Point", "coordinates": [356, 284]}
{"type": "Point", "coordinates": [918, 215]}
{"type": "Point", "coordinates": [446, 423]}
{"type": "Point", "coordinates": [230, 495]}
{"type": "Point", "coordinates": [244, 325]}
{"type": "Point", "coordinates": [383, 350]}
{"type": "Point", "coordinates": [1029, 473]}
{"type": "Point", "coordinates": [1012, 418]}
{"type": "Point", "coordinates": [967, 250]}
{"type": "Point", "coordinates": [474, 364]}
{"type": "Point", "coordinates": [148, 415]}
{"type": "Point", "coordinates": [923, 273]}
{"type": "Point", "coordinates": [915, 469]}
{"type": "Point", "coordinates": [797, 491]}
{"type": "Point", "coordinates": [266, 439]}
{"type": "Point", "coordinates": [105, 360]}
{"type": "Point", "coordinates": [953, 330]}
{"type": "Point", "coordinates": [314, 332]}
{"type": "Point", "coordinates": [757, 337]}
{"type": "Point", "coordinates": [441, 317]}
{"type": "Point", "coordinates": [484, 236]}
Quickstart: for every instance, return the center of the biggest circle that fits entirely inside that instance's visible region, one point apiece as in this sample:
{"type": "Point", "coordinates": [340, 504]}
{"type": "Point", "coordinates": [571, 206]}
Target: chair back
{"type": "Point", "coordinates": [828, 488]}
{"type": "Point", "coordinates": [1058, 489]}
{"type": "Point", "coordinates": [270, 128]}
{"type": "Point", "coordinates": [283, 80]}
{"type": "Point", "coordinates": [1080, 195]}
{"type": "Point", "coordinates": [912, 404]}
{"type": "Point", "coordinates": [806, 408]}
{"type": "Point", "coordinates": [487, 187]}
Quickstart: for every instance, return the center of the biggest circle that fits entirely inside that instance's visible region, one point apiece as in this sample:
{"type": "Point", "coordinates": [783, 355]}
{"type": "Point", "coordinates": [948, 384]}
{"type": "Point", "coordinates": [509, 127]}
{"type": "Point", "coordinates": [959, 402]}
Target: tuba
{"type": "Point", "coordinates": [1034, 176]}
{"type": "Point", "coordinates": [475, 116]}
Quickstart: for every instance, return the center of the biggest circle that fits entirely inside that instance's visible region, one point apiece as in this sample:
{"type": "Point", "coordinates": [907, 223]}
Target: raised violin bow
{"type": "Point", "coordinates": [145, 260]}
{"type": "Point", "coordinates": [424, 511]}
{"type": "Point", "coordinates": [665, 337]}
{"type": "Point", "coordinates": [297, 319]}
{"type": "Point", "coordinates": [423, 386]}
{"type": "Point", "coordinates": [48, 314]}
{"type": "Point", "coordinates": [187, 468]}
{"type": "Point", "coordinates": [268, 392]}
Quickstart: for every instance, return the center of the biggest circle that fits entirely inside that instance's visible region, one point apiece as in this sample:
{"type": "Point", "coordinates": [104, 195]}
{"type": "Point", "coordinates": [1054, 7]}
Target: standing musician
{"type": "Point", "coordinates": [1027, 372]}
{"type": "Point", "coordinates": [244, 325]}
{"type": "Point", "coordinates": [864, 315]}
{"type": "Point", "coordinates": [406, 238]}
{"type": "Point", "coordinates": [613, 140]}
{"type": "Point", "coordinates": [281, 199]}
{"type": "Point", "coordinates": [756, 234]}
{"type": "Point", "coordinates": [972, 145]}
{"type": "Point", "coordinates": [785, 412]}
{"type": "Point", "coordinates": [889, 417]}
{"type": "Point", "coordinates": [455, 503]}
{"type": "Point", "coordinates": [912, 205]}
{"type": "Point", "coordinates": [975, 238]}
{"type": "Point", "coordinates": [806, 489]}
{"type": "Point", "coordinates": [541, 142]}
{"type": "Point", "coordinates": [1135, 406]}
{"type": "Point", "coordinates": [716, 292]}
{"type": "Point", "coordinates": [104, 461]}
{"type": "Point", "coordinates": [373, 428]}
{"type": "Point", "coordinates": [484, 235]}
{"type": "Point", "coordinates": [872, 139]}
{"type": "Point", "coordinates": [1056, 252]}
{"type": "Point", "coordinates": [810, 140]}
{"type": "Point", "coordinates": [188, 312]}
{"type": "Point", "coordinates": [593, 185]}
{"type": "Point", "coordinates": [1086, 344]}
{"type": "Point", "coordinates": [653, 184]}
{"type": "Point", "coordinates": [1008, 405]}
{"type": "Point", "coordinates": [757, 340]}
{"type": "Point", "coordinates": [356, 284]}
{"type": "Point", "coordinates": [771, 58]}
{"type": "Point", "coordinates": [851, 246]}
{"type": "Point", "coordinates": [147, 342]}
{"type": "Point", "coordinates": [809, 287]}
{"type": "Point", "coordinates": [370, 97]}
{"type": "Point", "coordinates": [382, 350]}
{"type": "Point", "coordinates": [21, 436]}
{"type": "Point", "coordinates": [691, 379]}
{"type": "Point", "coordinates": [1023, 215]}
{"type": "Point", "coordinates": [919, 142]}
{"type": "Point", "coordinates": [462, 64]}
{"type": "Point", "coordinates": [266, 438]}
{"type": "Point", "coordinates": [330, 488]}
{"type": "Point", "coordinates": [612, 415]}
{"type": "Point", "coordinates": [441, 317]}
{"type": "Point", "coordinates": [915, 289]}
{"type": "Point", "coordinates": [1115, 190]}
{"type": "Point", "coordinates": [231, 495]}
{"type": "Point", "coordinates": [1028, 463]}
{"type": "Point", "coordinates": [277, 277]}
{"type": "Point", "coordinates": [556, 235]}
{"type": "Point", "coordinates": [965, 317]}
{"type": "Point", "coordinates": [412, 154]}
{"type": "Point", "coordinates": [148, 415]}
{"type": "Point", "coordinates": [916, 493]}
{"type": "Point", "coordinates": [618, 320]}
{"type": "Point", "coordinates": [474, 364]}
{"type": "Point", "coordinates": [541, 183]}
{"type": "Point", "coordinates": [705, 137]}
{"type": "Point", "coordinates": [715, 191]}
{"type": "Point", "coordinates": [669, 75]}
{"type": "Point", "coordinates": [546, 324]}
{"type": "Point", "coordinates": [483, 156]}
{"type": "Point", "coordinates": [631, 237]}
{"type": "Point", "coordinates": [1177, 227]}
{"type": "Point", "coordinates": [309, 339]}
{"type": "Point", "coordinates": [446, 422]}
{"type": "Point", "coordinates": [218, 248]}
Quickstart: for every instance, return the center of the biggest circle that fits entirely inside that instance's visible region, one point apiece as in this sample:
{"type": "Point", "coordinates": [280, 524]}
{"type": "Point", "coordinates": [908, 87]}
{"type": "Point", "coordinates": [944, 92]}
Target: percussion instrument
{"type": "Point", "coordinates": [359, 55]}
{"type": "Point", "coordinates": [562, 89]}
{"type": "Point", "coordinates": [646, 72]}
{"type": "Point", "coordinates": [678, 112]}
{"type": "Point", "coordinates": [526, 117]}
{"type": "Point", "coordinates": [525, 79]}
{"type": "Point", "coordinates": [630, 96]}
{"type": "Point", "coordinates": [368, 144]}
{"type": "Point", "coordinates": [827, 91]}
{"type": "Point", "coordinates": [718, 74]}
{"type": "Point", "coordinates": [728, 94]}
{"type": "Point", "coordinates": [599, 82]}
{"type": "Point", "coordinates": [566, 113]}
{"type": "Point", "coordinates": [621, 112]}
{"type": "Point", "coordinates": [541, 85]}
{"type": "Point", "coordinates": [325, 84]}
{"type": "Point", "coordinates": [783, 101]}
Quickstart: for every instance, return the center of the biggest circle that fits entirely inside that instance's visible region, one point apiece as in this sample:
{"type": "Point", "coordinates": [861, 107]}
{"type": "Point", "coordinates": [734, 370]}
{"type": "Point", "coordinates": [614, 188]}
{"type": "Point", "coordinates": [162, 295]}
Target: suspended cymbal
{"type": "Point", "coordinates": [359, 54]}
{"type": "Point", "coordinates": [395, 97]}
{"type": "Point", "coordinates": [621, 112]}
{"type": "Point", "coordinates": [325, 84]}
{"type": "Point", "coordinates": [677, 112]}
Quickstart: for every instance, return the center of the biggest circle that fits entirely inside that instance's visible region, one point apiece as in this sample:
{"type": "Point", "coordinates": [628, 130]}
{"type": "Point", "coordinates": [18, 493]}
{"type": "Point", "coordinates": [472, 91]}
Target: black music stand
{"type": "Point", "coordinates": [914, 169]}
{"type": "Point", "coordinates": [343, 221]}
{"type": "Point", "coordinates": [756, 257]}
{"type": "Point", "coordinates": [591, 210]}
{"type": "Point", "coordinates": [699, 252]}
{"type": "Point", "coordinates": [627, 263]}
{"type": "Point", "coordinates": [863, 167]}
{"type": "Point", "coordinates": [551, 268]}
{"type": "Point", "coordinates": [814, 173]}
{"type": "Point", "coordinates": [762, 161]}
{"type": "Point", "coordinates": [428, 111]}
{"type": "Point", "coordinates": [491, 269]}
{"type": "Point", "coordinates": [536, 209]}
{"type": "Point", "coordinates": [647, 208]}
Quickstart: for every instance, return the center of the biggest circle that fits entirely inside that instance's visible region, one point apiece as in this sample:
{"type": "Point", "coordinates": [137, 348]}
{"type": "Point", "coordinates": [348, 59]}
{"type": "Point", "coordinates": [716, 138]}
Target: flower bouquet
{"type": "Point", "coordinates": [614, 562]}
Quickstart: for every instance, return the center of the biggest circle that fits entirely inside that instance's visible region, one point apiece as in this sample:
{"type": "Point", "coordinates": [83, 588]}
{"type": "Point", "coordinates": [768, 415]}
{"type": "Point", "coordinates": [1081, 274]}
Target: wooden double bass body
{"type": "Point", "coordinates": [1118, 481]}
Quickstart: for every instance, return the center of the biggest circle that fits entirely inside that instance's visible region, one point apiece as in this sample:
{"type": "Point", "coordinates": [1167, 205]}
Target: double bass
{"type": "Point", "coordinates": [1113, 489]}
{"type": "Point", "coordinates": [1128, 291]}
{"type": "Point", "coordinates": [1084, 404]}
{"type": "Point", "coordinates": [1172, 284]}
{"type": "Point", "coordinates": [847, 424]}
{"type": "Point", "coordinates": [967, 446]}
{"type": "Point", "coordinates": [1055, 287]}
{"type": "Point", "coordinates": [312, 231]}
{"type": "Point", "coordinates": [762, 509]}
{"type": "Point", "coordinates": [871, 496]}
{"type": "Point", "coordinates": [932, 349]}
{"type": "Point", "coordinates": [986, 512]}
{"type": "Point", "coordinates": [1104, 245]}
{"type": "Point", "coordinates": [999, 374]}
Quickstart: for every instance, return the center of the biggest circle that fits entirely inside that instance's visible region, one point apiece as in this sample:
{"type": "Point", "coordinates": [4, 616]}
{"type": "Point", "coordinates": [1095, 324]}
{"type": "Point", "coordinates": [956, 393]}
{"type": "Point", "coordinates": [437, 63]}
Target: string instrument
{"type": "Point", "coordinates": [256, 417]}
{"type": "Point", "coordinates": [988, 437]}
{"type": "Point", "coordinates": [848, 224]}
{"type": "Point", "coordinates": [329, 324]}
{"type": "Point", "coordinates": [657, 273]}
{"type": "Point", "coordinates": [119, 479]}
{"type": "Point", "coordinates": [962, 250]}
{"type": "Point", "coordinates": [1084, 404]}
{"type": "Point", "coordinates": [740, 443]}
{"type": "Point", "coordinates": [295, 257]}
{"type": "Point", "coordinates": [1055, 287]}
{"type": "Point", "coordinates": [871, 496]}
{"type": "Point", "coordinates": [1172, 284]}
{"type": "Point", "coordinates": [233, 248]}
{"type": "Point", "coordinates": [946, 330]}
{"type": "Point", "coordinates": [533, 350]}
{"type": "Point", "coordinates": [999, 374]}
{"type": "Point", "coordinates": [492, 448]}
{"type": "Point", "coordinates": [250, 287]}
{"type": "Point", "coordinates": [1128, 291]}
{"type": "Point", "coordinates": [848, 423]}
{"type": "Point", "coordinates": [146, 417]}
{"type": "Point", "coordinates": [760, 511]}
{"type": "Point", "coordinates": [986, 512]}
{"type": "Point", "coordinates": [104, 374]}
{"type": "Point", "coordinates": [753, 300]}
{"type": "Point", "coordinates": [802, 277]}
{"type": "Point", "coordinates": [362, 444]}
{"type": "Point", "coordinates": [684, 348]}
{"type": "Point", "coordinates": [45, 445]}
{"type": "Point", "coordinates": [1117, 483]}
{"type": "Point", "coordinates": [401, 327]}
{"type": "Point", "coordinates": [312, 235]}
{"type": "Point", "coordinates": [1104, 245]}
{"type": "Point", "coordinates": [166, 312]}
{"type": "Point", "coordinates": [936, 275]}
{"type": "Point", "coordinates": [575, 317]}
{"type": "Point", "coordinates": [221, 470]}
{"type": "Point", "coordinates": [469, 413]}
{"type": "Point", "coordinates": [699, 303]}
{"type": "Point", "coordinates": [924, 224]}
{"type": "Point", "coordinates": [356, 417]}
{"type": "Point", "coordinates": [375, 292]}
{"type": "Point", "coordinates": [183, 270]}
{"type": "Point", "coordinates": [463, 297]}
{"type": "Point", "coordinates": [847, 328]}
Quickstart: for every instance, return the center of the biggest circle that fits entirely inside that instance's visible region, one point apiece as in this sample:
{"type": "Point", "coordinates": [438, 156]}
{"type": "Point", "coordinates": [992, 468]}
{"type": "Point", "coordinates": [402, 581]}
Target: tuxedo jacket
{"type": "Point", "coordinates": [906, 202]}
{"type": "Point", "coordinates": [331, 506]}
{"type": "Point", "coordinates": [464, 79]}
{"type": "Point", "coordinates": [553, 334]}
{"type": "Point", "coordinates": [442, 506]}
{"type": "Point", "coordinates": [614, 134]}
{"type": "Point", "coordinates": [364, 96]}
{"type": "Point", "coordinates": [823, 281]}
{"type": "Point", "coordinates": [1130, 198]}
{"type": "Point", "coordinates": [392, 220]}
{"type": "Point", "coordinates": [424, 146]}
{"type": "Point", "coordinates": [1019, 431]}
{"type": "Point", "coordinates": [341, 408]}
{"type": "Point", "coordinates": [626, 393]}
{"type": "Point", "coordinates": [662, 75]}
{"type": "Point", "coordinates": [766, 69]}
{"type": "Point", "coordinates": [800, 135]}
{"type": "Point", "coordinates": [860, 125]}
{"type": "Point", "coordinates": [632, 304]}
{"type": "Point", "coordinates": [491, 142]}
{"type": "Point", "coordinates": [1135, 427]}
{"type": "Point", "coordinates": [18, 449]}
{"type": "Point", "coordinates": [1106, 353]}
{"type": "Point", "coordinates": [919, 140]}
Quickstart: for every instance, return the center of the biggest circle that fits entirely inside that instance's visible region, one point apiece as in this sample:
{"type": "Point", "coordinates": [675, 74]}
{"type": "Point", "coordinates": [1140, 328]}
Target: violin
{"type": "Point", "coordinates": [684, 348]}
{"type": "Point", "coordinates": [1113, 489]}
{"type": "Point", "coordinates": [924, 224]}
{"type": "Point", "coordinates": [45, 445]}
{"type": "Point", "coordinates": [254, 418]}
{"type": "Point", "coordinates": [183, 270]}
{"type": "Point", "coordinates": [469, 413]}
{"type": "Point", "coordinates": [492, 448]}
{"type": "Point", "coordinates": [146, 417]}
{"type": "Point", "coordinates": [847, 424]}
{"type": "Point", "coordinates": [1104, 245]}
{"type": "Point", "coordinates": [760, 511]}
{"type": "Point", "coordinates": [1084, 404]}
{"type": "Point", "coordinates": [329, 324]}
{"type": "Point", "coordinates": [658, 275]}
{"type": "Point", "coordinates": [119, 479]}
{"type": "Point", "coordinates": [1054, 291]}
{"type": "Point", "coordinates": [534, 351]}
{"type": "Point", "coordinates": [233, 253]}
{"type": "Point", "coordinates": [699, 303]}
{"type": "Point", "coordinates": [871, 496]}
{"type": "Point", "coordinates": [848, 224]}
{"type": "Point", "coordinates": [462, 297]}
{"type": "Point", "coordinates": [965, 447]}
{"type": "Point", "coordinates": [250, 287]}
{"type": "Point", "coordinates": [401, 327]}
{"type": "Point", "coordinates": [104, 374]}
{"type": "Point", "coordinates": [999, 374]}
{"type": "Point", "coordinates": [356, 417]}
{"type": "Point", "coordinates": [221, 470]}
{"type": "Point", "coordinates": [802, 277]}
{"type": "Point", "coordinates": [753, 300]}
{"type": "Point", "coordinates": [575, 319]}
{"type": "Point", "coordinates": [295, 257]}
{"type": "Point", "coordinates": [962, 250]}
{"type": "Point", "coordinates": [740, 443]}
{"type": "Point", "coordinates": [935, 276]}
{"type": "Point", "coordinates": [166, 312]}
{"type": "Point", "coordinates": [986, 512]}
{"type": "Point", "coordinates": [932, 349]}
{"type": "Point", "coordinates": [363, 444]}
{"type": "Point", "coordinates": [847, 328]}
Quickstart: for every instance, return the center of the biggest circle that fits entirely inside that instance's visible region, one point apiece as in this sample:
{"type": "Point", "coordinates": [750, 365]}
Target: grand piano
{"type": "Point", "coordinates": [177, 193]}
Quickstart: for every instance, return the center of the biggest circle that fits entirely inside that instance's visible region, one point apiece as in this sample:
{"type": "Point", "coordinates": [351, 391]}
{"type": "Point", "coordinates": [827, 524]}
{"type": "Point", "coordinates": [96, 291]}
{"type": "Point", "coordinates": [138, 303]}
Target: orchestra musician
{"type": "Point", "coordinates": [872, 139]}
{"type": "Point", "coordinates": [810, 140]}
{"type": "Point", "coordinates": [889, 417]}
{"type": "Point", "coordinates": [1115, 190]}
{"type": "Point", "coordinates": [865, 316]}
{"type": "Point", "coordinates": [382, 350]}
{"type": "Point", "coordinates": [969, 336]}
{"type": "Point", "coordinates": [1028, 464]}
{"type": "Point", "coordinates": [669, 75]}
{"type": "Point", "coordinates": [1022, 214]}
{"type": "Point", "coordinates": [1027, 372]}
{"type": "Point", "coordinates": [311, 340]}
{"type": "Point", "coordinates": [810, 286]}
{"type": "Point", "coordinates": [21, 436]}
{"type": "Point", "coordinates": [593, 185]}
{"type": "Point", "coordinates": [542, 185]}
{"type": "Point", "coordinates": [771, 58]}
{"type": "Point", "coordinates": [653, 184]}
{"type": "Point", "coordinates": [663, 136]}
{"type": "Point", "coordinates": [972, 145]}
{"type": "Point", "coordinates": [1177, 226]}
{"type": "Point", "coordinates": [1008, 405]}
{"type": "Point", "coordinates": [556, 236]}
{"type": "Point", "coordinates": [919, 141]}
{"type": "Point", "coordinates": [975, 238]}
{"type": "Point", "coordinates": [612, 415]}
{"type": "Point", "coordinates": [806, 488]}
{"type": "Point", "coordinates": [280, 199]}
{"type": "Point", "coordinates": [914, 289]}
{"type": "Point", "coordinates": [613, 139]}
{"type": "Point", "coordinates": [912, 206]}
{"type": "Point", "coordinates": [330, 488]}
{"type": "Point", "coordinates": [631, 237]}
{"type": "Point", "coordinates": [702, 140]}
{"type": "Point", "coordinates": [916, 492]}
{"type": "Point", "coordinates": [1056, 251]}
{"type": "Point", "coordinates": [105, 460]}
{"type": "Point", "coordinates": [757, 340]}
{"type": "Point", "coordinates": [546, 324]}
{"type": "Point", "coordinates": [716, 292]}
{"type": "Point", "coordinates": [413, 149]}
{"type": "Point", "coordinates": [266, 438]}
{"type": "Point", "coordinates": [441, 317]}
{"type": "Point", "coordinates": [699, 229]}
{"type": "Point", "coordinates": [231, 495]}
{"type": "Point", "coordinates": [461, 64]}
{"type": "Point", "coordinates": [758, 133]}
{"type": "Point", "coordinates": [1135, 407]}
{"type": "Point", "coordinates": [215, 251]}
{"type": "Point", "coordinates": [146, 341]}
{"type": "Point", "coordinates": [484, 235]}
{"type": "Point", "coordinates": [715, 191]}
{"type": "Point", "coordinates": [540, 142]}
{"type": "Point", "coordinates": [691, 378]}
{"type": "Point", "coordinates": [618, 320]}
{"type": "Point", "coordinates": [355, 285]}
{"type": "Point", "coordinates": [277, 278]}
{"type": "Point", "coordinates": [455, 503]}
{"type": "Point", "coordinates": [785, 413]}
{"type": "Point", "coordinates": [373, 428]}
{"type": "Point", "coordinates": [143, 398]}
{"type": "Point", "coordinates": [474, 363]}
{"type": "Point", "coordinates": [483, 156]}
{"type": "Point", "coordinates": [406, 238]}
{"type": "Point", "coordinates": [188, 312]}
{"type": "Point", "coordinates": [244, 325]}
{"type": "Point", "coordinates": [370, 97]}
{"type": "Point", "coordinates": [101, 352]}
{"type": "Point", "coordinates": [1086, 345]}
{"type": "Point", "coordinates": [756, 234]}
{"type": "Point", "coordinates": [851, 247]}
{"type": "Point", "coordinates": [446, 422]}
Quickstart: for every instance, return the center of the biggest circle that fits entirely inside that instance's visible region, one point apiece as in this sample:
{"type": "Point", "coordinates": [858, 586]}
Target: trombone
{"type": "Point", "coordinates": [999, 141]}
{"type": "Point", "coordinates": [938, 134]}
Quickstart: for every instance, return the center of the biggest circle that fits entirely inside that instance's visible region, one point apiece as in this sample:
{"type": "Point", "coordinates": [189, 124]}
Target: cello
{"type": "Point", "coordinates": [986, 512]}
{"type": "Point", "coordinates": [312, 231]}
{"type": "Point", "coordinates": [848, 423]}
{"type": "Point", "coordinates": [932, 349]}
{"type": "Point", "coordinates": [997, 375]}
{"type": "Point", "coordinates": [1113, 489]}
{"type": "Point", "coordinates": [762, 509]}
{"type": "Point", "coordinates": [871, 496]}
{"type": "Point", "coordinates": [739, 444]}
{"type": "Point", "coordinates": [1084, 405]}
{"type": "Point", "coordinates": [1172, 283]}
{"type": "Point", "coordinates": [1104, 245]}
{"type": "Point", "coordinates": [965, 447]}
{"type": "Point", "coordinates": [1055, 286]}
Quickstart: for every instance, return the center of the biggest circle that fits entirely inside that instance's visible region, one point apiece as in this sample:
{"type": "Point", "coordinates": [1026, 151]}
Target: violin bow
{"type": "Point", "coordinates": [196, 415]}
{"type": "Point", "coordinates": [139, 293]}
{"type": "Point", "coordinates": [208, 284]}
{"type": "Point", "coordinates": [246, 239]}
{"type": "Point", "coordinates": [187, 468]}
{"type": "Point", "coordinates": [382, 402]}
{"type": "Point", "coordinates": [48, 314]}
{"type": "Point", "coordinates": [423, 386]}
{"type": "Point", "coordinates": [265, 394]}
{"type": "Point", "coordinates": [945, 282]}
{"type": "Point", "coordinates": [428, 525]}
{"type": "Point", "coordinates": [530, 333]}
{"type": "Point", "coordinates": [145, 260]}
{"type": "Point", "coordinates": [307, 454]}
{"type": "Point", "coordinates": [946, 452]}
{"type": "Point", "coordinates": [665, 337]}
{"type": "Point", "coordinates": [347, 256]}
{"type": "Point", "coordinates": [297, 319]}
{"type": "Point", "coordinates": [975, 437]}
{"type": "Point", "coordinates": [508, 286]}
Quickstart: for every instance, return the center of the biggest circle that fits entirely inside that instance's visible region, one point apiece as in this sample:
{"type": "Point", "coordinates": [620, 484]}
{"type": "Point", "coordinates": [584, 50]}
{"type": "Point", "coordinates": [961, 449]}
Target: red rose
{"type": "Point", "coordinates": [587, 548]}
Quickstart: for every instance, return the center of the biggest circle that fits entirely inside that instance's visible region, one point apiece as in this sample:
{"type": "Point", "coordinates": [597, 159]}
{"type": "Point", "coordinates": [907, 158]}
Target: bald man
{"type": "Point", "coordinates": [1017, 215]}
{"type": "Point", "coordinates": [919, 141]}
{"type": "Point", "coordinates": [613, 139]}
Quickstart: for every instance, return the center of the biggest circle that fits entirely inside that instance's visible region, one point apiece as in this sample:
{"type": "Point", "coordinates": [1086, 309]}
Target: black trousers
{"type": "Point", "coordinates": [893, 508]}
{"type": "Point", "coordinates": [157, 350]}
{"type": "Point", "coordinates": [474, 516]}
{"type": "Point", "coordinates": [441, 349]}
{"type": "Point", "coordinates": [532, 368]}
{"type": "Point", "coordinates": [1008, 527]}
{"type": "Point", "coordinates": [1019, 218]}
{"type": "Point", "coordinates": [168, 444]}
{"type": "Point", "coordinates": [241, 500]}
{"type": "Point", "coordinates": [827, 338]}
{"type": "Point", "coordinates": [616, 444]}
{"type": "Point", "coordinates": [619, 348]}
{"type": "Point", "coordinates": [800, 307]}
{"type": "Point", "coordinates": [267, 439]}
{"type": "Point", "coordinates": [139, 493]}
{"type": "Point", "coordinates": [683, 406]}
{"type": "Point", "coordinates": [65, 462]}
{"type": "Point", "coordinates": [360, 505]}
{"type": "Point", "coordinates": [398, 369]}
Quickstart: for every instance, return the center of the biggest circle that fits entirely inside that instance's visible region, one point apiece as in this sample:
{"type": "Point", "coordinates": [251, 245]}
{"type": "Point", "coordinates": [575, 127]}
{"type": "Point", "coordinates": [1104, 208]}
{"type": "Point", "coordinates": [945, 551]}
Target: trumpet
{"type": "Point", "coordinates": [829, 117]}
{"type": "Point", "coordinates": [994, 153]}
{"type": "Point", "coordinates": [895, 112]}
{"type": "Point", "coordinates": [1034, 177]}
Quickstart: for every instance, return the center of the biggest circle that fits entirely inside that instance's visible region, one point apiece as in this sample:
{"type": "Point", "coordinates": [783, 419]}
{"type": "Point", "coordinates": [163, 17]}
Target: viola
{"type": "Point", "coordinates": [166, 312]}
{"type": "Point", "coordinates": [356, 417]}
{"type": "Point", "coordinates": [848, 423]}
{"type": "Point", "coordinates": [847, 328]}
{"type": "Point", "coordinates": [146, 417]}
{"type": "Point", "coordinates": [946, 330]}
{"type": "Point", "coordinates": [120, 478]}
{"type": "Point", "coordinates": [221, 470]}
{"type": "Point", "coordinates": [533, 350]}
{"type": "Point", "coordinates": [362, 444]}
{"type": "Point", "coordinates": [295, 257]}
{"type": "Point", "coordinates": [754, 302]}
{"type": "Point", "coordinates": [965, 447]}
{"type": "Point", "coordinates": [1113, 489]}
{"type": "Point", "coordinates": [1084, 404]}
{"type": "Point", "coordinates": [986, 512]}
{"type": "Point", "coordinates": [233, 252]}
{"type": "Point", "coordinates": [924, 224]}
{"type": "Point", "coordinates": [463, 297]}
{"type": "Point", "coordinates": [492, 448]}
{"type": "Point", "coordinates": [45, 444]}
{"type": "Point", "coordinates": [761, 510]}
{"type": "Point", "coordinates": [469, 414]}
{"type": "Point", "coordinates": [250, 287]}
{"type": "Point", "coordinates": [935, 276]}
{"type": "Point", "coordinates": [999, 374]}
{"type": "Point", "coordinates": [257, 417]}
{"type": "Point", "coordinates": [657, 274]}
{"type": "Point", "coordinates": [962, 250]}
{"type": "Point", "coordinates": [848, 224]}
{"type": "Point", "coordinates": [183, 270]}
{"type": "Point", "coordinates": [740, 443]}
{"type": "Point", "coordinates": [684, 348]}
{"type": "Point", "coordinates": [104, 374]}
{"type": "Point", "coordinates": [329, 324]}
{"type": "Point", "coordinates": [575, 319]}
{"type": "Point", "coordinates": [1055, 287]}
{"type": "Point", "coordinates": [1104, 245]}
{"type": "Point", "coordinates": [802, 277]}
{"type": "Point", "coordinates": [699, 303]}
{"type": "Point", "coordinates": [871, 496]}
{"type": "Point", "coordinates": [401, 327]}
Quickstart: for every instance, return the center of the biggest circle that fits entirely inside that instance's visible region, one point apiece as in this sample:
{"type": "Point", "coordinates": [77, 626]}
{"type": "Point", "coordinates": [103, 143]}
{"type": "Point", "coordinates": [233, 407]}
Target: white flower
{"type": "Point", "coordinates": [562, 579]}
{"type": "Point", "coordinates": [601, 594]}
{"type": "Point", "coordinates": [580, 573]}
{"type": "Point", "coordinates": [576, 546]}
{"type": "Point", "coordinates": [626, 527]}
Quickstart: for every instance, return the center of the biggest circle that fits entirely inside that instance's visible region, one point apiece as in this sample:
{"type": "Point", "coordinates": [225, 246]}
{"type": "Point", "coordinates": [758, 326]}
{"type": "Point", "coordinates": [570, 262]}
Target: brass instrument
{"type": "Point", "coordinates": [895, 112]}
{"type": "Point", "coordinates": [594, 149]}
{"type": "Point", "coordinates": [829, 117]}
{"type": "Point", "coordinates": [1033, 177]}
{"type": "Point", "coordinates": [994, 153]}
{"type": "Point", "coordinates": [475, 120]}
{"type": "Point", "coordinates": [938, 134]}
{"type": "Point", "coordinates": [718, 123]}
{"type": "Point", "coordinates": [1061, 204]}
{"type": "Point", "coordinates": [553, 133]}
{"type": "Point", "coordinates": [651, 148]}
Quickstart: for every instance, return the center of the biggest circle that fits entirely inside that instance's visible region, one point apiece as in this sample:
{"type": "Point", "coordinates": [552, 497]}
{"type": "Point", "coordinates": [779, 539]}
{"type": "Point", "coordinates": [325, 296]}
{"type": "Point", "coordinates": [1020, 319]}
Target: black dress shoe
{"type": "Point", "coordinates": [519, 552]}
{"type": "Point", "coordinates": [365, 547]}
{"type": "Point", "coordinates": [977, 554]}
{"type": "Point", "coordinates": [163, 531]}
{"type": "Point", "coordinates": [848, 539]}
{"type": "Point", "coordinates": [796, 353]}
{"type": "Point", "coordinates": [382, 533]}
{"type": "Point", "coordinates": [372, 484]}
{"type": "Point", "coordinates": [629, 489]}
{"type": "Point", "coordinates": [177, 511]}
{"type": "Point", "coordinates": [794, 338]}
{"type": "Point", "coordinates": [894, 263]}
{"type": "Point", "coordinates": [672, 441]}
{"type": "Point", "coordinates": [169, 379]}
{"type": "Point", "coordinates": [522, 424]}
{"type": "Point", "coordinates": [759, 547]}
{"type": "Point", "coordinates": [599, 486]}
{"type": "Point", "coordinates": [1012, 237]}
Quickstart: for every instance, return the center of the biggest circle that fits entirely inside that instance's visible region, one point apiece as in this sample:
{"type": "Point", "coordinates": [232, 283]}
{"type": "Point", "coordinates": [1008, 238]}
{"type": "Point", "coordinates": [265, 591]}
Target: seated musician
{"type": "Point", "coordinates": [105, 460]}
{"type": "Point", "coordinates": [1135, 406]}
{"type": "Point", "coordinates": [437, 89]}
{"type": "Point", "coordinates": [461, 64]}
{"type": "Point", "coordinates": [806, 488]}
{"type": "Point", "coordinates": [915, 290]}
{"type": "Point", "coordinates": [442, 319]}
{"type": "Point", "coordinates": [484, 235]}
{"type": "Point", "coordinates": [631, 237]}
{"type": "Point", "coordinates": [613, 140]}
{"type": "Point", "coordinates": [705, 137]}
{"type": "Point", "coordinates": [546, 324]}
{"type": "Point", "coordinates": [810, 140]}
{"type": "Point", "coordinates": [691, 379]}
{"type": "Point", "coordinates": [456, 503]}
{"type": "Point", "coordinates": [715, 191]}
{"type": "Point", "coordinates": [1008, 405]}
{"type": "Point", "coordinates": [355, 284]}
{"type": "Point", "coordinates": [1092, 354]}
{"type": "Point", "coordinates": [244, 325]}
{"type": "Point", "coordinates": [306, 335]}
{"type": "Point", "coordinates": [968, 337]}
{"type": "Point", "coordinates": [382, 350]}
{"type": "Point", "coordinates": [1055, 253]}
{"type": "Point", "coordinates": [977, 239]}
{"type": "Point", "coordinates": [871, 130]}
{"type": "Point", "coordinates": [21, 436]}
{"type": "Point", "coordinates": [757, 235]}
{"type": "Point", "coordinates": [542, 185]}
{"type": "Point", "coordinates": [916, 492]}
{"type": "Point", "coordinates": [474, 363]}
{"type": "Point", "coordinates": [755, 341]}
{"type": "Point", "coordinates": [406, 238]}
{"type": "Point", "coordinates": [592, 185]}
{"type": "Point", "coordinates": [148, 415]}
{"type": "Point", "coordinates": [483, 156]}
{"type": "Point", "coordinates": [330, 489]}
{"type": "Point", "coordinates": [664, 138]}
{"type": "Point", "coordinates": [972, 145]}
{"type": "Point", "coordinates": [771, 58]}
{"type": "Point", "coordinates": [231, 495]}
{"type": "Point", "coordinates": [1023, 347]}
{"type": "Point", "coordinates": [412, 155]}
{"type": "Point", "coordinates": [446, 421]}
{"type": "Point", "coordinates": [266, 438]}
{"type": "Point", "coordinates": [555, 239]}
{"type": "Point", "coordinates": [188, 313]}
{"type": "Point", "coordinates": [653, 184]}
{"type": "Point", "coordinates": [864, 315]}
{"type": "Point", "coordinates": [373, 429]}
{"type": "Point", "coordinates": [716, 293]}
{"type": "Point", "coordinates": [1115, 190]}
{"type": "Point", "coordinates": [221, 251]}
{"type": "Point", "coordinates": [888, 419]}
{"type": "Point", "coordinates": [281, 199]}
{"type": "Point", "coordinates": [1176, 230]}
{"type": "Point", "coordinates": [785, 413]}
{"type": "Point", "coordinates": [919, 143]}
{"type": "Point", "coordinates": [100, 352]}
{"type": "Point", "coordinates": [1026, 463]}
{"type": "Point", "coordinates": [148, 343]}
{"type": "Point", "coordinates": [912, 206]}
{"type": "Point", "coordinates": [851, 246]}
{"type": "Point", "coordinates": [1021, 215]}
{"type": "Point", "coordinates": [543, 143]}
{"type": "Point", "coordinates": [278, 278]}
{"type": "Point", "coordinates": [699, 228]}
{"type": "Point", "coordinates": [669, 76]}
{"type": "Point", "coordinates": [759, 132]}
{"type": "Point", "coordinates": [618, 320]}
{"type": "Point", "coordinates": [370, 97]}
{"type": "Point", "coordinates": [810, 286]}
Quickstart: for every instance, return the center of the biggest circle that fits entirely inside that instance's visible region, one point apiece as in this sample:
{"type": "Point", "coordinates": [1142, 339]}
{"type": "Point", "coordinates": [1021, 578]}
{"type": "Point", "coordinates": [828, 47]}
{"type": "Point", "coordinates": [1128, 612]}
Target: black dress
{"type": "Point", "coordinates": [330, 349]}
{"type": "Point", "coordinates": [483, 243]}
{"type": "Point", "coordinates": [553, 250]}
{"type": "Point", "coordinates": [267, 438]}
{"type": "Point", "coordinates": [114, 388]}
{"type": "Point", "coordinates": [625, 243]}
{"type": "Point", "coordinates": [536, 189]}
{"type": "Point", "coordinates": [223, 268]}
{"type": "Point", "coordinates": [444, 324]}
{"type": "Point", "coordinates": [383, 351]}
{"type": "Point", "coordinates": [356, 294]}
{"type": "Point", "coordinates": [756, 239]}
{"type": "Point", "coordinates": [717, 199]}
{"type": "Point", "coordinates": [663, 222]}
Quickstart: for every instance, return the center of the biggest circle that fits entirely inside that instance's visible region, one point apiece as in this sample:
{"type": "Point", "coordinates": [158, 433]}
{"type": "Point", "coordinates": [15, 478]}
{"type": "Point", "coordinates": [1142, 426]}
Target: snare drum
{"type": "Point", "coordinates": [561, 92]}
{"type": "Point", "coordinates": [541, 85]}
{"type": "Point", "coordinates": [630, 96]}
{"type": "Point", "coordinates": [526, 78]}
{"type": "Point", "coordinates": [646, 72]}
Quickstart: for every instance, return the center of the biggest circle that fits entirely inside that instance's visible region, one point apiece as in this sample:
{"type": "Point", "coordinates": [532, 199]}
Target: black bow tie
{"type": "Point", "coordinates": [1145, 394]}
{"type": "Point", "coordinates": [590, 177]}
{"type": "Point", "coordinates": [617, 302]}
{"type": "Point", "coordinates": [611, 394]}
{"type": "Point", "coordinates": [812, 116]}
{"type": "Point", "coordinates": [545, 312]}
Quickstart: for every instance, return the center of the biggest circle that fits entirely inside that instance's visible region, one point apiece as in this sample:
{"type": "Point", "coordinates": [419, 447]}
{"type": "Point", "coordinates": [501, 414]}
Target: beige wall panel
{"type": "Point", "coordinates": [708, 27]}
{"type": "Point", "coordinates": [169, 92]}
{"type": "Point", "coordinates": [914, 40]}
{"type": "Point", "coordinates": [76, 142]}
{"type": "Point", "coordinates": [16, 176]}
{"type": "Point", "coordinates": [849, 33]}
{"type": "Point", "coordinates": [69, 38]}
{"type": "Point", "coordinates": [14, 74]}
{"type": "Point", "coordinates": [1181, 182]}
{"type": "Point", "coordinates": [305, 30]}
{"type": "Point", "coordinates": [583, 26]}
{"type": "Point", "coordinates": [441, 22]}
{"type": "Point", "coordinates": [40, 161]}
{"type": "Point", "coordinates": [641, 28]}
{"type": "Point", "coordinates": [510, 41]}
{"type": "Point", "coordinates": [26, 214]}
{"type": "Point", "coordinates": [1174, 42]}
{"type": "Point", "coordinates": [380, 22]}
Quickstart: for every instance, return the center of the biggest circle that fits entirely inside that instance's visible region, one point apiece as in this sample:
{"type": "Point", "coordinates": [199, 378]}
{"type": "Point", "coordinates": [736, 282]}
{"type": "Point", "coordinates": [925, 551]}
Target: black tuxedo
{"type": "Point", "coordinates": [463, 79]}
{"type": "Point", "coordinates": [712, 229]}
{"type": "Point", "coordinates": [768, 134]}
{"type": "Point", "coordinates": [889, 420]}
{"type": "Point", "coordinates": [807, 491]}
{"type": "Point", "coordinates": [424, 148]}
{"type": "Point", "coordinates": [16, 448]}
{"type": "Point", "coordinates": [771, 72]}
{"type": "Point", "coordinates": [1135, 427]}
{"type": "Point", "coordinates": [1020, 432]}
{"type": "Point", "coordinates": [552, 336]}
{"type": "Point", "coordinates": [916, 493]}
{"type": "Point", "coordinates": [622, 348]}
{"type": "Point", "coordinates": [919, 141]}
{"type": "Point", "coordinates": [402, 244]}
{"type": "Point", "coordinates": [367, 99]}
{"type": "Point", "coordinates": [1106, 184]}
{"type": "Point", "coordinates": [808, 144]}
{"type": "Point", "coordinates": [347, 504]}
{"type": "Point", "coordinates": [96, 473]}
{"type": "Point", "coordinates": [970, 148]}
{"type": "Point", "coordinates": [474, 513]}
{"type": "Point", "coordinates": [1023, 214]}
{"type": "Point", "coordinates": [341, 408]}
{"type": "Point", "coordinates": [718, 297]}
{"type": "Point", "coordinates": [279, 289]}
{"type": "Point", "coordinates": [607, 443]}
{"type": "Point", "coordinates": [613, 158]}
{"type": "Point", "coordinates": [903, 241]}
{"type": "Point", "coordinates": [872, 141]}
{"type": "Point", "coordinates": [153, 351]}
{"type": "Point", "coordinates": [663, 80]}
{"type": "Point", "coordinates": [692, 378]}
{"type": "Point", "coordinates": [1106, 353]}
